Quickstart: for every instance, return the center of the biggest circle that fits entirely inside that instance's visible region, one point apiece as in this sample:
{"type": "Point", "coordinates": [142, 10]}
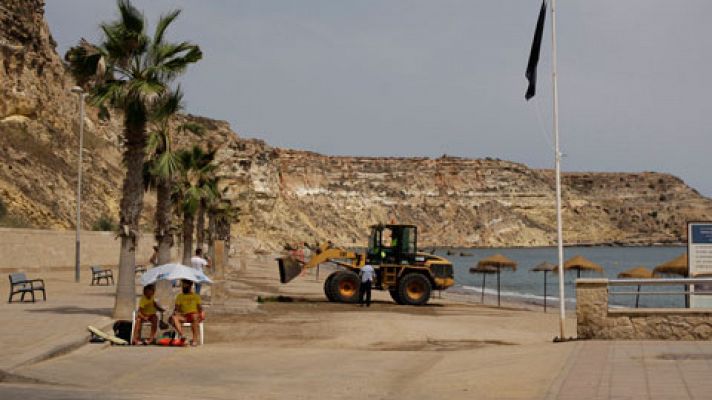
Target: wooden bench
{"type": "Point", "coordinates": [19, 284]}
{"type": "Point", "coordinates": [99, 273]}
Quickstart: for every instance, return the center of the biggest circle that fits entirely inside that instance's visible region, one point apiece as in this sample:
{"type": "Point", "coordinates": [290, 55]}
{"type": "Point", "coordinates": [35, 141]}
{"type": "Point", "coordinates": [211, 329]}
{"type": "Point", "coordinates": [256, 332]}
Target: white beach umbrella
{"type": "Point", "coordinates": [172, 272]}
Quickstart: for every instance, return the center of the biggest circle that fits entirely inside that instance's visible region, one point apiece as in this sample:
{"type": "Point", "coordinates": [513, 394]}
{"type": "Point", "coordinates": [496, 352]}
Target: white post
{"type": "Point", "coordinates": [77, 251]}
{"type": "Point", "coordinates": [557, 157]}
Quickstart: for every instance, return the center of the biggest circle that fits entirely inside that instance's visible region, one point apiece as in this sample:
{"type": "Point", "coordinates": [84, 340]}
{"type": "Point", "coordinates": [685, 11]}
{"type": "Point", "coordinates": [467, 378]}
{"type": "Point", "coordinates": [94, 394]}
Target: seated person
{"type": "Point", "coordinates": [147, 308]}
{"type": "Point", "coordinates": [188, 309]}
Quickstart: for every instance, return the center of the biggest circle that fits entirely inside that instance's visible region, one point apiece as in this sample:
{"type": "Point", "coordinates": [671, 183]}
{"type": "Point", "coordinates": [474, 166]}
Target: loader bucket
{"type": "Point", "coordinates": [289, 268]}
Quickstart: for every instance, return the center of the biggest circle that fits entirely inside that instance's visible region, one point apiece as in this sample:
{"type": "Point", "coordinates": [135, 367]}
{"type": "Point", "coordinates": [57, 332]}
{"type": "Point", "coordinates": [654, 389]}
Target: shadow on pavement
{"type": "Point", "coordinates": [72, 310]}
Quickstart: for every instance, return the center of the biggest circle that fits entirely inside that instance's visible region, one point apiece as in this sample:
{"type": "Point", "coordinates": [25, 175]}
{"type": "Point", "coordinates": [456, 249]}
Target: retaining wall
{"type": "Point", "coordinates": [33, 250]}
{"type": "Point", "coordinates": [595, 320]}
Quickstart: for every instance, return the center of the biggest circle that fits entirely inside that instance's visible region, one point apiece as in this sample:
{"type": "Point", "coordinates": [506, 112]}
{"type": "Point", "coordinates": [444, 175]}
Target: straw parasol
{"type": "Point", "coordinates": [484, 271]}
{"type": "Point", "coordinates": [544, 267]}
{"type": "Point", "coordinates": [498, 261]}
{"type": "Point", "coordinates": [676, 266]}
{"type": "Point", "coordinates": [639, 272]}
{"type": "Point", "coordinates": [580, 263]}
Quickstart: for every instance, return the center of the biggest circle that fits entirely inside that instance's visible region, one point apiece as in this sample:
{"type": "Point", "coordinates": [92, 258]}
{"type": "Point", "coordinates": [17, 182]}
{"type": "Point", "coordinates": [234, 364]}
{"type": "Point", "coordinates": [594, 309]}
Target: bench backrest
{"type": "Point", "coordinates": [96, 269]}
{"type": "Point", "coordinates": [17, 277]}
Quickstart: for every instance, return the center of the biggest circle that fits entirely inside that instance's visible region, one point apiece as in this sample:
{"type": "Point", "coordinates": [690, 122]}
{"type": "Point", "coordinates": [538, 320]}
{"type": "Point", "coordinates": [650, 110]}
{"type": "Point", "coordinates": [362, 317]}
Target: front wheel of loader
{"type": "Point", "coordinates": [414, 289]}
{"type": "Point", "coordinates": [345, 287]}
{"type": "Point", "coordinates": [328, 289]}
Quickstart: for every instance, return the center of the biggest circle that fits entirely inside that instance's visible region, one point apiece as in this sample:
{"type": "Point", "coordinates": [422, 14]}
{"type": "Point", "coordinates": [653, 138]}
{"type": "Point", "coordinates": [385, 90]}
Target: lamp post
{"type": "Point", "coordinates": [77, 258]}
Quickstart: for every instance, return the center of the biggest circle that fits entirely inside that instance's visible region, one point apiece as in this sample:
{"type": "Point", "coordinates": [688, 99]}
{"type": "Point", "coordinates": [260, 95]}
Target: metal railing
{"type": "Point", "coordinates": [687, 282]}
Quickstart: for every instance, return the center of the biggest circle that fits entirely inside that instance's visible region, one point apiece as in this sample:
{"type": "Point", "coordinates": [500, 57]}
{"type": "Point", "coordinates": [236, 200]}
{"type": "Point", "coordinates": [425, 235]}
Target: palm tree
{"type": "Point", "coordinates": [129, 70]}
{"type": "Point", "coordinates": [162, 166]}
{"type": "Point", "coordinates": [196, 171]}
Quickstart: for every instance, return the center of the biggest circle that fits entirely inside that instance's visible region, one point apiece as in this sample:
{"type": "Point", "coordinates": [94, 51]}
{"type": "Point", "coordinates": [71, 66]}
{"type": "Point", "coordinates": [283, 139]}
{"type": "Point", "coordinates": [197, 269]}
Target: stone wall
{"type": "Point", "coordinates": [34, 250]}
{"type": "Point", "coordinates": [596, 321]}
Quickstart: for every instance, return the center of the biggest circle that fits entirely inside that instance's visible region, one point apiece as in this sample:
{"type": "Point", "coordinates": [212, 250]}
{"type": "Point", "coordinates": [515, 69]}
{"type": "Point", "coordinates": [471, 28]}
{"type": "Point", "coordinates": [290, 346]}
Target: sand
{"type": "Point", "coordinates": [309, 348]}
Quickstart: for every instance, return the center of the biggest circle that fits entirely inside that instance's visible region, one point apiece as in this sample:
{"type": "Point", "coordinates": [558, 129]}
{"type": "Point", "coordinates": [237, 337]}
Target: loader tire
{"type": "Point", "coordinates": [414, 289]}
{"type": "Point", "coordinates": [345, 287]}
{"type": "Point", "coordinates": [328, 289]}
{"type": "Point", "coordinates": [395, 296]}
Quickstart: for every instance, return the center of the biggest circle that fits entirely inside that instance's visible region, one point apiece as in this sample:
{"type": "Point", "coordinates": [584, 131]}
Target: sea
{"type": "Point", "coordinates": [526, 286]}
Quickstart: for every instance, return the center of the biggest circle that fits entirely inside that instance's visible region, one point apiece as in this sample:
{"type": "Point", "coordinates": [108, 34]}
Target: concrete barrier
{"type": "Point", "coordinates": [594, 319]}
{"type": "Point", "coordinates": [34, 250]}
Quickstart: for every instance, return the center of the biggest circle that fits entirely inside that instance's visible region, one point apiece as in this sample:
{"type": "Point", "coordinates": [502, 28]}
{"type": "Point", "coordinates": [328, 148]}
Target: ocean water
{"type": "Point", "coordinates": [527, 286]}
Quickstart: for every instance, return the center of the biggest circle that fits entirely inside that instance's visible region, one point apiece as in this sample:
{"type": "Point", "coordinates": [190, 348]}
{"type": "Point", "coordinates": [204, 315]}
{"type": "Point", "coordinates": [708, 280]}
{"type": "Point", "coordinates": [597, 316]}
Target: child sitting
{"type": "Point", "coordinates": [188, 309]}
{"type": "Point", "coordinates": [147, 308]}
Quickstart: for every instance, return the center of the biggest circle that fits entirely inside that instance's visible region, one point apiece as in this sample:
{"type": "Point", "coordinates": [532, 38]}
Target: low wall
{"type": "Point", "coordinates": [594, 320]}
{"type": "Point", "coordinates": [38, 250]}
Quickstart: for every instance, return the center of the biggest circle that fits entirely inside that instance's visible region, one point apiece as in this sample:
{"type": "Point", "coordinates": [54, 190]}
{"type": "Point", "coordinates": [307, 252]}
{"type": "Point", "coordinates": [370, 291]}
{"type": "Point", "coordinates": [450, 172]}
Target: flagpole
{"type": "Point", "coordinates": [557, 157]}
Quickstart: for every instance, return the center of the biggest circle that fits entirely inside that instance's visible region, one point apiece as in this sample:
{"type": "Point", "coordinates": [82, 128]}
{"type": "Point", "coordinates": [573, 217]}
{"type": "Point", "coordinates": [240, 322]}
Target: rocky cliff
{"type": "Point", "coordinates": [288, 195]}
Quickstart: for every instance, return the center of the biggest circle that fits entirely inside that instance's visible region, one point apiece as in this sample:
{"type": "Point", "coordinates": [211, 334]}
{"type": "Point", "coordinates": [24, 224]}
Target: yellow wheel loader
{"type": "Point", "coordinates": [408, 275]}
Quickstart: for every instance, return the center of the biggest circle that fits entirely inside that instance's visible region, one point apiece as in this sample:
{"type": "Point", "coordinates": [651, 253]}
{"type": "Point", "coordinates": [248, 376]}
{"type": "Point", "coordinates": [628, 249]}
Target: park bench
{"type": "Point", "coordinates": [19, 284]}
{"type": "Point", "coordinates": [99, 273]}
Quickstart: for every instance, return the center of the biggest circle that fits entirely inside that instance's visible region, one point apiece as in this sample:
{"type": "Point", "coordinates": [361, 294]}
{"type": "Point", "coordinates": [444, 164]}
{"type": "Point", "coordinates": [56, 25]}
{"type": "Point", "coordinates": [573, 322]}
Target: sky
{"type": "Point", "coordinates": [427, 78]}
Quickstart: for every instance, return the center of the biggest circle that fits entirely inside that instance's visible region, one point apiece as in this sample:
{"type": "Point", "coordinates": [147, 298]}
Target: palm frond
{"type": "Point", "coordinates": [163, 22]}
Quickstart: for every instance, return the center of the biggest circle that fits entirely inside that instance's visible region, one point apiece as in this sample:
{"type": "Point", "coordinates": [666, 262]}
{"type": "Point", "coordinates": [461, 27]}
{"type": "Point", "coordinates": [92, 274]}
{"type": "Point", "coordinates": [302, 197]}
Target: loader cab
{"type": "Point", "coordinates": [393, 244]}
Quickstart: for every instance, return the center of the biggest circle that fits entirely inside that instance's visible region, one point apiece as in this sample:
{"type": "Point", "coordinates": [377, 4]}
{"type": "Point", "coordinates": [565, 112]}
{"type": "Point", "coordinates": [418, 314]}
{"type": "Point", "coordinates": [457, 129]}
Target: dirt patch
{"type": "Point", "coordinates": [684, 356]}
{"type": "Point", "coordinates": [437, 345]}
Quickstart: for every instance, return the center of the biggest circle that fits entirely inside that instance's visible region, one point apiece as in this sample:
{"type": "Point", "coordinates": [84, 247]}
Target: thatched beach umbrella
{"type": "Point", "coordinates": [498, 261]}
{"type": "Point", "coordinates": [484, 271]}
{"type": "Point", "coordinates": [580, 263]}
{"type": "Point", "coordinates": [544, 267]}
{"type": "Point", "coordinates": [676, 266]}
{"type": "Point", "coordinates": [637, 273]}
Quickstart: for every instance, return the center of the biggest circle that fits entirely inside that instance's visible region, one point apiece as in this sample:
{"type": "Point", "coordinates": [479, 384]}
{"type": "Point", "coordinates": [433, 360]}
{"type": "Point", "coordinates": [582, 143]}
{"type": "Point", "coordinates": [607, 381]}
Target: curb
{"type": "Point", "coordinates": [58, 350]}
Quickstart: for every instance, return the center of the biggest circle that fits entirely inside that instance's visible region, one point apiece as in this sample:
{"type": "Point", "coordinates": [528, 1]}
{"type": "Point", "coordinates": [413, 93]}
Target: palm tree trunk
{"type": "Point", "coordinates": [211, 233]}
{"type": "Point", "coordinates": [188, 221]}
{"type": "Point", "coordinates": [164, 217]}
{"type": "Point", "coordinates": [130, 214]}
{"type": "Point", "coordinates": [200, 226]}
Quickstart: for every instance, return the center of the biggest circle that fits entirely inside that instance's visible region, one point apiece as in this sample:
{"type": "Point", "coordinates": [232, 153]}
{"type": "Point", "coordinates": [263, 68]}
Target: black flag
{"type": "Point", "coordinates": [534, 55]}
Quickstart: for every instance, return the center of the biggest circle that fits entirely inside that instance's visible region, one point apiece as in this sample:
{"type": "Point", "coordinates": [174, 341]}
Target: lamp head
{"type": "Point", "coordinates": [77, 90]}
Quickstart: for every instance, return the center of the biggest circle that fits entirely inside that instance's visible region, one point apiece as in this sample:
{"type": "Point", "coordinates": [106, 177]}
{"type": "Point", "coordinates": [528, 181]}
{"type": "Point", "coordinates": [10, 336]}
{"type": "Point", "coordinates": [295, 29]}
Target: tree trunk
{"type": "Point", "coordinates": [130, 214]}
{"type": "Point", "coordinates": [188, 221]}
{"type": "Point", "coordinates": [211, 233]}
{"type": "Point", "coordinates": [200, 227]}
{"type": "Point", "coordinates": [164, 220]}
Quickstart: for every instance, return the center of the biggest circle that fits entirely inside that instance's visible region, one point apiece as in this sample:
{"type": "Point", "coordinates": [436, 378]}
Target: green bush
{"type": "Point", "coordinates": [104, 223]}
{"type": "Point", "coordinates": [3, 208]}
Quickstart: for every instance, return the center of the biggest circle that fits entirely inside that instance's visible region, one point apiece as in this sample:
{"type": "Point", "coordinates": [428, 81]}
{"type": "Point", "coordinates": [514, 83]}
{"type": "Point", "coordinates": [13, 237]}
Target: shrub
{"type": "Point", "coordinates": [104, 223]}
{"type": "Point", "coordinates": [3, 208]}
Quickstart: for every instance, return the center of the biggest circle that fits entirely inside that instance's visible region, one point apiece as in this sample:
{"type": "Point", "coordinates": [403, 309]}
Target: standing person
{"type": "Point", "coordinates": [367, 274]}
{"type": "Point", "coordinates": [154, 258]}
{"type": "Point", "coordinates": [198, 262]}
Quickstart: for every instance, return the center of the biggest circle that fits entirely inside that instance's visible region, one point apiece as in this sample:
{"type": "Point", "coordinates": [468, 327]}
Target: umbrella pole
{"type": "Point", "coordinates": [498, 300]}
{"type": "Point", "coordinates": [545, 290]}
{"type": "Point", "coordinates": [578, 273]}
{"type": "Point", "coordinates": [484, 276]}
{"type": "Point", "coordinates": [637, 297]}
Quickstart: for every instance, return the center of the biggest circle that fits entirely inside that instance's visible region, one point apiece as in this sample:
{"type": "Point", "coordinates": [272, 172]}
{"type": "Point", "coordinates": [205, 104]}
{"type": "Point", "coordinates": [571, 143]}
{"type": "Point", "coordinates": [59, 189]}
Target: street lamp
{"type": "Point", "coordinates": [79, 91]}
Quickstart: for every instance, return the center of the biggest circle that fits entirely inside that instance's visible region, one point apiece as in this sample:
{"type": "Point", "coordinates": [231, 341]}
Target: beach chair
{"type": "Point", "coordinates": [99, 273]}
{"type": "Point", "coordinates": [185, 325]}
{"type": "Point", "coordinates": [19, 284]}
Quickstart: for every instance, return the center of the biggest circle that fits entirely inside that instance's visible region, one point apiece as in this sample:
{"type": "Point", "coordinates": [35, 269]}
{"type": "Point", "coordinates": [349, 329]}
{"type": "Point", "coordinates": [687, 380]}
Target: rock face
{"type": "Point", "coordinates": [39, 129]}
{"type": "Point", "coordinates": [290, 196]}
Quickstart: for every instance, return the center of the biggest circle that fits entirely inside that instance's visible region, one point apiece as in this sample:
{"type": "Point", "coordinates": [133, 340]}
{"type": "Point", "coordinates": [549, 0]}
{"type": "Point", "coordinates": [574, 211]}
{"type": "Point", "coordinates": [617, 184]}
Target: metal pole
{"type": "Point", "coordinates": [557, 158]}
{"type": "Point", "coordinates": [79, 189]}
{"type": "Point", "coordinates": [545, 290]}
{"type": "Point", "coordinates": [482, 299]}
{"type": "Point", "coordinates": [499, 304]}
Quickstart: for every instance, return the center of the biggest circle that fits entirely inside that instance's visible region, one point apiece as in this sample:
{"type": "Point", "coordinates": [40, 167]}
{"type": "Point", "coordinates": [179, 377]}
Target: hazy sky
{"type": "Point", "coordinates": [412, 77]}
